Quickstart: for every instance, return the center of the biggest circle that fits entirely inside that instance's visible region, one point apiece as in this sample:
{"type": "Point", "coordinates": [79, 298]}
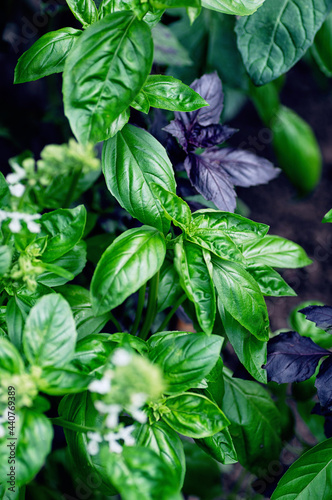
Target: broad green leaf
{"type": "Point", "coordinates": [220, 447]}
{"type": "Point", "coordinates": [241, 297]}
{"type": "Point", "coordinates": [169, 4]}
{"type": "Point", "coordinates": [109, 6]}
{"type": "Point", "coordinates": [322, 47]}
{"type": "Point", "coordinates": [194, 415]}
{"type": "Point", "coordinates": [215, 382]}
{"type": "Point", "coordinates": [217, 242]}
{"type": "Point", "coordinates": [79, 409]}
{"type": "Point", "coordinates": [255, 423]}
{"type": "Point", "coordinates": [49, 334]}
{"type": "Point", "coordinates": [141, 473]}
{"type": "Point", "coordinates": [186, 358]}
{"type": "Point", "coordinates": [73, 261]}
{"type": "Point", "coordinates": [131, 260]}
{"type": "Point", "coordinates": [10, 359]}
{"type": "Point", "coordinates": [132, 160]}
{"type": "Point", "coordinates": [6, 253]}
{"type": "Point", "coordinates": [296, 149]}
{"type": "Point", "coordinates": [127, 340]}
{"type": "Point", "coordinates": [4, 192]}
{"type": "Point", "coordinates": [175, 209]}
{"type": "Point", "coordinates": [80, 302]}
{"type": "Point", "coordinates": [167, 48]}
{"type": "Point", "coordinates": [169, 290]}
{"type": "Point", "coordinates": [328, 216]}
{"type": "Point", "coordinates": [160, 438]}
{"type": "Point", "coordinates": [290, 27]}
{"type": "Point", "coordinates": [26, 299]}
{"type": "Point", "coordinates": [310, 477]}
{"type": "Point", "coordinates": [15, 323]}
{"type": "Point", "coordinates": [275, 251]}
{"type": "Point", "coordinates": [64, 228]}
{"type": "Point", "coordinates": [34, 435]}
{"type": "Point", "coordinates": [93, 351]}
{"type": "Point", "coordinates": [141, 103]}
{"type": "Point", "coordinates": [238, 228]}
{"type": "Point", "coordinates": [103, 73]}
{"type": "Point", "coordinates": [196, 282]}
{"type": "Point", "coordinates": [85, 11]}
{"type": "Point", "coordinates": [238, 7]}
{"type": "Point", "coordinates": [269, 281]}
{"type": "Point", "coordinates": [166, 92]}
{"type": "Point", "coordinates": [46, 56]}
{"type": "Point", "coordinates": [250, 351]}
{"type": "Point", "coordinates": [61, 381]}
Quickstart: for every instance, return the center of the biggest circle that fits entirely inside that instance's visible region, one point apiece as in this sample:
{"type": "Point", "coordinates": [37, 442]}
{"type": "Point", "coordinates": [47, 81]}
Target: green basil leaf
{"type": "Point", "coordinates": [270, 282]}
{"type": "Point", "coordinates": [296, 149]}
{"type": "Point", "coordinates": [166, 92]}
{"type": "Point", "coordinates": [98, 89]}
{"type": "Point", "coordinates": [186, 358]}
{"type": "Point", "coordinates": [238, 228]}
{"type": "Point", "coordinates": [80, 409]}
{"type": "Point", "coordinates": [241, 297]}
{"type": "Point", "coordinates": [64, 228]}
{"type": "Point", "coordinates": [65, 380]}
{"type": "Point", "coordinates": [194, 415]}
{"type": "Point", "coordinates": [257, 436]}
{"type": "Point", "coordinates": [238, 8]}
{"type": "Point", "coordinates": [167, 48]}
{"type": "Point", "coordinates": [93, 351]}
{"type": "Point", "coordinates": [26, 299]}
{"type": "Point", "coordinates": [80, 302]}
{"type": "Point", "coordinates": [127, 340]}
{"type": "Point", "coordinates": [196, 281]}
{"type": "Point", "coordinates": [217, 242]}
{"type": "Point", "coordinates": [85, 11]}
{"type": "Point", "coordinates": [49, 334]}
{"type": "Point", "coordinates": [220, 447]}
{"type": "Point", "coordinates": [250, 350]}
{"type": "Point", "coordinates": [15, 323]}
{"type": "Point", "coordinates": [215, 382]}
{"type": "Point", "coordinates": [6, 253]}
{"type": "Point", "coordinates": [34, 434]}
{"type": "Point", "coordinates": [10, 359]}
{"type": "Point", "coordinates": [169, 4]}
{"type": "Point", "coordinates": [141, 102]}
{"type": "Point", "coordinates": [131, 260]}
{"type": "Point", "coordinates": [275, 251]}
{"type": "Point", "coordinates": [293, 24]}
{"type": "Point", "coordinates": [132, 160]}
{"type": "Point", "coordinates": [308, 477]}
{"type": "Point", "coordinates": [4, 192]}
{"type": "Point", "coordinates": [306, 328]}
{"type": "Point", "coordinates": [150, 476]}
{"type": "Point", "coordinates": [175, 209]}
{"type": "Point", "coordinates": [160, 438]}
{"type": "Point", "coordinates": [169, 290]}
{"type": "Point", "coordinates": [46, 56]}
{"type": "Point", "coordinates": [322, 47]}
{"type": "Point", "coordinates": [73, 261]}
{"type": "Point", "coordinates": [328, 217]}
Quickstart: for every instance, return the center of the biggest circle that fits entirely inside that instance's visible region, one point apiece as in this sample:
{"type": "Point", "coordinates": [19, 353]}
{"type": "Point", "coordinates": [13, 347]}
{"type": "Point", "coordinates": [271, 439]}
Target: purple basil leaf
{"type": "Point", "coordinates": [321, 315]}
{"type": "Point", "coordinates": [204, 137]}
{"type": "Point", "coordinates": [178, 130]}
{"type": "Point", "coordinates": [292, 358]}
{"type": "Point", "coordinates": [319, 410]}
{"type": "Point", "coordinates": [245, 169]}
{"type": "Point", "coordinates": [324, 384]}
{"type": "Point", "coordinates": [209, 87]}
{"type": "Point", "coordinates": [211, 181]}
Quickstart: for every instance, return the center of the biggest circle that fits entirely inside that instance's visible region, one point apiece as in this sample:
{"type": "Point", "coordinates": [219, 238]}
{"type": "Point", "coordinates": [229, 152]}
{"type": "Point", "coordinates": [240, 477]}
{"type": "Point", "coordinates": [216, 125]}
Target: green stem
{"type": "Point", "coordinates": [140, 307]}
{"type": "Point", "coordinates": [71, 426]}
{"type": "Point", "coordinates": [115, 322]}
{"type": "Point", "coordinates": [72, 187]}
{"type": "Point", "coordinates": [22, 493]}
{"type": "Point", "coordinates": [172, 312]}
{"type": "Point", "coordinates": [151, 307]}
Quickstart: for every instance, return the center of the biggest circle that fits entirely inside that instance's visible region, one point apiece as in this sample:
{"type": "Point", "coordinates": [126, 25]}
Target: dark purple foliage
{"type": "Point", "coordinates": [292, 358]}
{"type": "Point", "coordinates": [216, 171]}
{"type": "Point", "coordinates": [319, 410]}
{"type": "Point", "coordinates": [324, 383]}
{"type": "Point", "coordinates": [321, 315]}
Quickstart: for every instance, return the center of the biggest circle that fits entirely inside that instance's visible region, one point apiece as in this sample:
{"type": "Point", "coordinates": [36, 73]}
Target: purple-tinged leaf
{"type": "Point", "coordinates": [324, 384]}
{"type": "Point", "coordinates": [244, 168]}
{"type": "Point", "coordinates": [319, 410]}
{"type": "Point", "coordinates": [321, 315]}
{"type": "Point", "coordinates": [292, 358]}
{"type": "Point", "coordinates": [209, 87]}
{"type": "Point", "coordinates": [211, 181]}
{"type": "Point", "coordinates": [178, 130]}
{"type": "Point", "coordinates": [204, 137]}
